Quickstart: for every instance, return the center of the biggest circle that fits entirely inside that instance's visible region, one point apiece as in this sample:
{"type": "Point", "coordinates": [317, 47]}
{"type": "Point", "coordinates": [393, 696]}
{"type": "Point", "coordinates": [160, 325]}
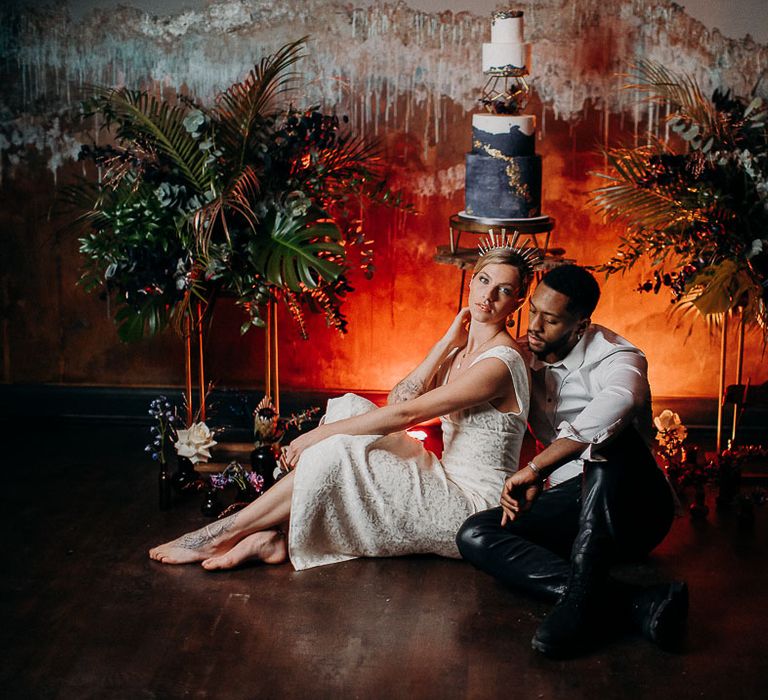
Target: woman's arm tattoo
{"type": "Point", "coordinates": [405, 390]}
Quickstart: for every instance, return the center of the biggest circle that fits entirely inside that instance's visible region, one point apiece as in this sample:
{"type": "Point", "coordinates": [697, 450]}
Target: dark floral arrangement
{"type": "Point", "coordinates": [192, 442]}
{"type": "Point", "coordinates": [686, 466]}
{"type": "Point", "coordinates": [248, 198]}
{"type": "Point", "coordinates": [695, 205]}
{"type": "Point", "coordinates": [269, 428]}
{"type": "Point", "coordinates": [728, 467]}
{"type": "Point", "coordinates": [235, 474]}
{"type": "Point", "coordinates": [681, 463]}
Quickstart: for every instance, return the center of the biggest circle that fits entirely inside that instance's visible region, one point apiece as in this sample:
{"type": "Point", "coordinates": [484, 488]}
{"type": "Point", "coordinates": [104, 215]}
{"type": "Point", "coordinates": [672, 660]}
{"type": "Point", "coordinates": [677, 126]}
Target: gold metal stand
{"type": "Point", "coordinates": [530, 229]}
{"type": "Point", "coordinates": [193, 325]}
{"type": "Point", "coordinates": [738, 401]}
{"type": "Point", "coordinates": [271, 358]}
{"type": "Point", "coordinates": [721, 384]}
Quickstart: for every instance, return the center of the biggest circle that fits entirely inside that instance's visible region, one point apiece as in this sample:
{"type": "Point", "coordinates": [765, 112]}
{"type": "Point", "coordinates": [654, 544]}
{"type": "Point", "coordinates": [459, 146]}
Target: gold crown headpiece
{"type": "Point", "coordinates": [528, 254]}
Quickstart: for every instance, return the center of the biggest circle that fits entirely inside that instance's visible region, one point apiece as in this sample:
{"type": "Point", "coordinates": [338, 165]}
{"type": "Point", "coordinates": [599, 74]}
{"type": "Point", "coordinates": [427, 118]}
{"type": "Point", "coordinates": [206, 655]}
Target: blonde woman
{"type": "Point", "coordinates": [360, 487]}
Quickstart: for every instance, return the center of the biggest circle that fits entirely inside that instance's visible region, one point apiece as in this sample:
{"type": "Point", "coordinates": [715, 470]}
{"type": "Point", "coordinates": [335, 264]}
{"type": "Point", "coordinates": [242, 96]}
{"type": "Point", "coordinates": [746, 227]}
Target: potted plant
{"type": "Point", "coordinates": [695, 205]}
{"type": "Point", "coordinates": [251, 197]}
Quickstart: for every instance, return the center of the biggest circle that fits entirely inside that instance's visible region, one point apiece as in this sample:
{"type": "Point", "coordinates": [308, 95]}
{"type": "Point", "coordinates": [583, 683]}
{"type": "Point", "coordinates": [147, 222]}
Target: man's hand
{"type": "Point", "coordinates": [519, 493]}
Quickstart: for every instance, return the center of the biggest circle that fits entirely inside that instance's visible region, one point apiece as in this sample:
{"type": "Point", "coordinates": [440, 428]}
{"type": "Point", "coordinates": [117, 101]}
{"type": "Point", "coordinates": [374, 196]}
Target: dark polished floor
{"type": "Point", "coordinates": [85, 614]}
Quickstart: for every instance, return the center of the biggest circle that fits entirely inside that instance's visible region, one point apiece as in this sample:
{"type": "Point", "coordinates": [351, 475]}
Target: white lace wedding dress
{"type": "Point", "coordinates": [372, 495]}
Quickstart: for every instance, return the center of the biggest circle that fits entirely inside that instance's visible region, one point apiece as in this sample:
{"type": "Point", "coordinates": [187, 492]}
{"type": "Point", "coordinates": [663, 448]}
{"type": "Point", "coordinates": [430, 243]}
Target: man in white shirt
{"type": "Point", "coordinates": [606, 499]}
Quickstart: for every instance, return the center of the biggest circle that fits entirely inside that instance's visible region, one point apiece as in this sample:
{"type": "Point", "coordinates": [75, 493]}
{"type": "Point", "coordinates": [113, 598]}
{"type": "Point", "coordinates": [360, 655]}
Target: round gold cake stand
{"type": "Point", "coordinates": [532, 229]}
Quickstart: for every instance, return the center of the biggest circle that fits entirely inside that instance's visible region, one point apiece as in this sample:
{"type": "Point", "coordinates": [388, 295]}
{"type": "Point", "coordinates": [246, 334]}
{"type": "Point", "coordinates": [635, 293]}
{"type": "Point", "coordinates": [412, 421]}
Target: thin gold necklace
{"type": "Point", "coordinates": [464, 354]}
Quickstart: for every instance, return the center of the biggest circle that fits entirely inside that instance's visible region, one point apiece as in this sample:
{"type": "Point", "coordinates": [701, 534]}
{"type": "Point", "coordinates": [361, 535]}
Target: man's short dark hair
{"type": "Point", "coordinates": [578, 285]}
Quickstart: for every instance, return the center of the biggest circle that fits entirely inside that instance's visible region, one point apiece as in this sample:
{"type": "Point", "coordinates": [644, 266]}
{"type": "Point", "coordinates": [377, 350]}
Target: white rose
{"type": "Point", "coordinates": [669, 423]}
{"type": "Point", "coordinates": [195, 443]}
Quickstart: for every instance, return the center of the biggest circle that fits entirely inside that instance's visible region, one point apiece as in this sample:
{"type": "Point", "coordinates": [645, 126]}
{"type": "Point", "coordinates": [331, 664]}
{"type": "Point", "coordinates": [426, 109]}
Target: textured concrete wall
{"type": "Point", "coordinates": [408, 77]}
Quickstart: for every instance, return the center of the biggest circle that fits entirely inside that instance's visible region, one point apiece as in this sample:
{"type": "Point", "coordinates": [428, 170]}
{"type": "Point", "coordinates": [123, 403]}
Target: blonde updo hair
{"type": "Point", "coordinates": [508, 256]}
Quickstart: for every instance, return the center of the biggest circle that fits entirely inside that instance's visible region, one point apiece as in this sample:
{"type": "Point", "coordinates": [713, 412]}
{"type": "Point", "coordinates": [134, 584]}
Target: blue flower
{"type": "Point", "coordinates": [219, 481]}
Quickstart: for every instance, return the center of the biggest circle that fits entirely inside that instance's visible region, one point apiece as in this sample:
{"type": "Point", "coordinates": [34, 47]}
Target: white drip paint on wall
{"type": "Point", "coordinates": [389, 67]}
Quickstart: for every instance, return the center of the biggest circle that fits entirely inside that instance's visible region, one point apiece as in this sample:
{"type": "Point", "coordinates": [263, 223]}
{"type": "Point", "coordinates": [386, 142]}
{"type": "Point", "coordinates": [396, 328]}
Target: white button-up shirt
{"type": "Point", "coordinates": [590, 395]}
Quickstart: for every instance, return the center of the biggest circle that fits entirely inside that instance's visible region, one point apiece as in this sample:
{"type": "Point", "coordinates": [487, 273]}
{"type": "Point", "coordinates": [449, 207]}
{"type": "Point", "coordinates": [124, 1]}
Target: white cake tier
{"type": "Point", "coordinates": [506, 29]}
{"type": "Point", "coordinates": [499, 57]}
{"type": "Point", "coordinates": [504, 123]}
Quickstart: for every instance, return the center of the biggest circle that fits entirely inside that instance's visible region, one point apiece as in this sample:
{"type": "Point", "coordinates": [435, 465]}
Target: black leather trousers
{"type": "Point", "coordinates": [619, 509]}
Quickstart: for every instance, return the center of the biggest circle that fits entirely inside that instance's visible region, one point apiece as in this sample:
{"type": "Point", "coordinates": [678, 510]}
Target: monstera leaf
{"type": "Point", "coordinates": [135, 323]}
{"type": "Point", "coordinates": [300, 253]}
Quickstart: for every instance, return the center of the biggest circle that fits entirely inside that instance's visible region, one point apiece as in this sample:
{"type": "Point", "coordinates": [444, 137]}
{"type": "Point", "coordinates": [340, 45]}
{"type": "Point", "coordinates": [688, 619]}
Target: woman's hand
{"type": "Point", "coordinates": [289, 456]}
{"type": "Point", "coordinates": [458, 332]}
{"type": "Point", "coordinates": [518, 495]}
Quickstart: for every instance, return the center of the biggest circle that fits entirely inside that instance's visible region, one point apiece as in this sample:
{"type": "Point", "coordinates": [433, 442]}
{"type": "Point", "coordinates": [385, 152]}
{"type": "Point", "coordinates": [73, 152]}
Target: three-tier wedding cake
{"type": "Point", "coordinates": [503, 175]}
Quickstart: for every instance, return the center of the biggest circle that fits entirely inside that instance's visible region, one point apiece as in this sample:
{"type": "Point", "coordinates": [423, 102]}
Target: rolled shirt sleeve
{"type": "Point", "coordinates": [618, 391]}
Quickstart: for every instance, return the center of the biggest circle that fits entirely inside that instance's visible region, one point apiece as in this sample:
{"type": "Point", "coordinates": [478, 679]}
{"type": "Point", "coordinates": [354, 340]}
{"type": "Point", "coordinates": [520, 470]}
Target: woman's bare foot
{"type": "Point", "coordinates": [268, 546]}
{"type": "Point", "coordinates": [209, 541]}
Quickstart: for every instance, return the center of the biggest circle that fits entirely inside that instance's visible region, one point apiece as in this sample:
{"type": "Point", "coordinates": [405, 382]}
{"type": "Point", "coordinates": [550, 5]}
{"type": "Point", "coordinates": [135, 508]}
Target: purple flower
{"type": "Point", "coordinates": [256, 481]}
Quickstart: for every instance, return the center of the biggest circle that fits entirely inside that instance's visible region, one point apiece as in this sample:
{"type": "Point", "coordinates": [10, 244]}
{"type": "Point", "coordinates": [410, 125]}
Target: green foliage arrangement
{"type": "Point", "coordinates": [251, 198]}
{"type": "Point", "coordinates": [696, 205]}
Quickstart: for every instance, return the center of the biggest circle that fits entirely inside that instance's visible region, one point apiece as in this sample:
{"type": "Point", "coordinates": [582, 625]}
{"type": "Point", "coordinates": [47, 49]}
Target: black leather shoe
{"type": "Point", "coordinates": [660, 613]}
{"type": "Point", "coordinates": [575, 623]}
{"type": "Point", "coordinates": [566, 631]}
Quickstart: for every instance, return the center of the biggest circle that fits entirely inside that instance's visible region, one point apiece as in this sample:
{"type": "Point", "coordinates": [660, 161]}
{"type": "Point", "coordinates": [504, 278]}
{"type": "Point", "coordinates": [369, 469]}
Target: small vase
{"type": "Point", "coordinates": [728, 481]}
{"type": "Point", "coordinates": [185, 474]}
{"type": "Point", "coordinates": [263, 462]}
{"type": "Point", "coordinates": [699, 508]}
{"type": "Point", "coordinates": [211, 506]}
{"type": "Point", "coordinates": [745, 512]}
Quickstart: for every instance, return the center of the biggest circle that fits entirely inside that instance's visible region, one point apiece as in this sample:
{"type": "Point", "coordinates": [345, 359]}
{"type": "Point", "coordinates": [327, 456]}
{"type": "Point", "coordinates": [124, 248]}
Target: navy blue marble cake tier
{"type": "Point", "coordinates": [509, 143]}
{"type": "Point", "coordinates": [503, 187]}
{"type": "Point", "coordinates": [503, 178]}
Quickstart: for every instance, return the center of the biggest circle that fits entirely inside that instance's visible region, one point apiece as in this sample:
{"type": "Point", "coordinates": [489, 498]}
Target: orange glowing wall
{"type": "Point", "coordinates": [405, 77]}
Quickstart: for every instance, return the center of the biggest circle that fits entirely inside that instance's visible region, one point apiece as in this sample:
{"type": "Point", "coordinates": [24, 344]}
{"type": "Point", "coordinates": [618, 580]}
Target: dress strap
{"type": "Point", "coordinates": [518, 369]}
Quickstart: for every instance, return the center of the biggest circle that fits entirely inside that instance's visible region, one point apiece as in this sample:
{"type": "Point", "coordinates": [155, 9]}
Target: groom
{"type": "Point", "coordinates": [607, 500]}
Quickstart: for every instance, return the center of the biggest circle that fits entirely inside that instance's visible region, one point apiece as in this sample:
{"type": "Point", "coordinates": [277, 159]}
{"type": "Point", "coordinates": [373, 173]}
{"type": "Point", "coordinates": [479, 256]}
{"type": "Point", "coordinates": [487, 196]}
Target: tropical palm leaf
{"type": "Point", "coordinates": [722, 288]}
{"type": "Point", "coordinates": [241, 109]}
{"type": "Point", "coordinates": [141, 116]}
{"type": "Point", "coordinates": [350, 158]}
{"type": "Point", "coordinates": [239, 197]}
{"type": "Point", "coordinates": [83, 199]}
{"type": "Point", "coordinates": [627, 199]}
{"type": "Point", "coordinates": [681, 92]}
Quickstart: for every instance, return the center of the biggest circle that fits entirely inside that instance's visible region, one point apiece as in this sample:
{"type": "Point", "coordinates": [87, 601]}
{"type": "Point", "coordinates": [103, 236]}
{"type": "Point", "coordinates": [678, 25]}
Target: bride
{"type": "Point", "coordinates": [360, 486]}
